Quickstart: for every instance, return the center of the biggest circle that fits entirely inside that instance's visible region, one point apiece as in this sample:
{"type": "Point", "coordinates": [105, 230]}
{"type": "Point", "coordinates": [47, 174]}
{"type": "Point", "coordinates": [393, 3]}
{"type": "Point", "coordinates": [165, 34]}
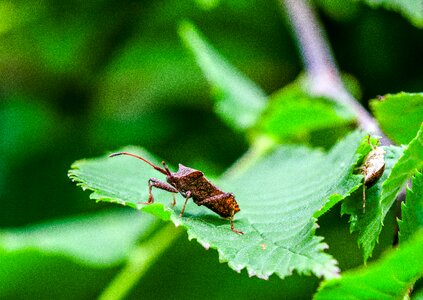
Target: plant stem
{"type": "Point", "coordinates": [140, 259]}
{"type": "Point", "coordinates": [322, 72]}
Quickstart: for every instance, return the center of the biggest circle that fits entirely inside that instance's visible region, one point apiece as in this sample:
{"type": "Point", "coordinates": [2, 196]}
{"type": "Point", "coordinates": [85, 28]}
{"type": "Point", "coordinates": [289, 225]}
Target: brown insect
{"type": "Point", "coordinates": [372, 168]}
{"type": "Point", "coordinates": [192, 183]}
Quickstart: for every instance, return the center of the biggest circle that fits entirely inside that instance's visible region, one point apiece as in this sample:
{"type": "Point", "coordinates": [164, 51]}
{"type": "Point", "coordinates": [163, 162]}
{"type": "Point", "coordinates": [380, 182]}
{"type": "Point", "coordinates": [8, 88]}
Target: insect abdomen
{"type": "Point", "coordinates": [224, 207]}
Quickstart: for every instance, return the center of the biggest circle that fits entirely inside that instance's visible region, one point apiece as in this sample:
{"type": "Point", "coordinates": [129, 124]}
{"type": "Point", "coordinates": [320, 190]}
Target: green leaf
{"type": "Point", "coordinates": [101, 239]}
{"type": "Point", "coordinates": [410, 9]}
{"type": "Point", "coordinates": [412, 209]}
{"type": "Point", "coordinates": [278, 197]}
{"type": "Point", "coordinates": [293, 113]}
{"type": "Point", "coordinates": [401, 164]}
{"type": "Point", "coordinates": [399, 115]}
{"type": "Point", "coordinates": [417, 294]}
{"type": "Point", "coordinates": [389, 278]}
{"type": "Point", "coordinates": [369, 224]}
{"type": "Point", "coordinates": [239, 101]}
{"type": "Point", "coordinates": [407, 165]}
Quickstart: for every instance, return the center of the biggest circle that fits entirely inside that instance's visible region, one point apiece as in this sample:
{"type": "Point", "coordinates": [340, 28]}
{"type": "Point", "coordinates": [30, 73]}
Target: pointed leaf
{"type": "Point", "coordinates": [412, 209]}
{"type": "Point", "coordinates": [278, 198]}
{"type": "Point", "coordinates": [399, 115]}
{"type": "Point", "coordinates": [391, 277]}
{"type": "Point", "coordinates": [239, 101]}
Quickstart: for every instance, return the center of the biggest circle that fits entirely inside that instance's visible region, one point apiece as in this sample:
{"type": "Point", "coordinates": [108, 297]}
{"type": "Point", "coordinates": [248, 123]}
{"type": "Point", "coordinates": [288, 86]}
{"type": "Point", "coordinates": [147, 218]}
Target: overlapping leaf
{"type": "Point", "coordinates": [401, 164]}
{"type": "Point", "coordinates": [278, 198]}
{"type": "Point", "coordinates": [389, 278]}
{"type": "Point", "coordinates": [399, 115]}
{"type": "Point", "coordinates": [412, 209]}
{"type": "Point", "coordinates": [239, 100]}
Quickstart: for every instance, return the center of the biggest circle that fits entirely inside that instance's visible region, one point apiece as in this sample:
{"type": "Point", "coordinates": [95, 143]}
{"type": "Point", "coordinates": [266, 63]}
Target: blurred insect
{"type": "Point", "coordinates": [372, 168]}
{"type": "Point", "coordinates": [192, 183]}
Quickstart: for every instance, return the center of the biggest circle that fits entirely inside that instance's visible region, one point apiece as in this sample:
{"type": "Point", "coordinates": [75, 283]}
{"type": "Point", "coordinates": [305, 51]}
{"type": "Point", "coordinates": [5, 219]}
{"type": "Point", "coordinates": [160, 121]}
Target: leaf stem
{"type": "Point", "coordinates": [139, 261]}
{"type": "Point", "coordinates": [323, 75]}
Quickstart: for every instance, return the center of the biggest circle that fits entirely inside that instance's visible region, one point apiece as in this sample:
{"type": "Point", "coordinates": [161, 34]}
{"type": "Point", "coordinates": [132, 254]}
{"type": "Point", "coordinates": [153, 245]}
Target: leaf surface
{"type": "Point", "coordinates": [399, 115]}
{"type": "Point", "coordinates": [278, 197]}
{"type": "Point", "coordinates": [400, 165]}
{"type": "Point", "coordinates": [101, 239]}
{"type": "Point", "coordinates": [388, 278]}
{"type": "Point", "coordinates": [369, 224]}
{"type": "Point", "coordinates": [293, 113]}
{"type": "Point", "coordinates": [412, 209]}
{"type": "Point", "coordinates": [410, 9]}
{"type": "Point", "coordinates": [404, 169]}
{"type": "Point", "coordinates": [239, 101]}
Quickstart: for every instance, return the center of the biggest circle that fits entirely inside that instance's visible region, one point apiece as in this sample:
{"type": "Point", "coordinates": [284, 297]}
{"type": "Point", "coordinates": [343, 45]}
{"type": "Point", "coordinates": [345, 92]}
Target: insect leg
{"type": "Point", "coordinates": [173, 201]}
{"type": "Point", "coordinates": [231, 221]}
{"type": "Point", "coordinates": [160, 185]}
{"type": "Point", "coordinates": [232, 207]}
{"type": "Point", "coordinates": [370, 142]}
{"type": "Point", "coordinates": [187, 196]}
{"type": "Point", "coordinates": [364, 198]}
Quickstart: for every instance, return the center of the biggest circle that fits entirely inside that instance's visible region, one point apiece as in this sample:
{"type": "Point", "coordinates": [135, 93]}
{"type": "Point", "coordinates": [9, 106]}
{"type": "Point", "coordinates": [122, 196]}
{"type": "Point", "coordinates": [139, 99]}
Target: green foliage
{"type": "Point", "coordinates": [399, 115]}
{"type": "Point", "coordinates": [276, 211]}
{"type": "Point", "coordinates": [208, 4]}
{"type": "Point", "coordinates": [369, 224]}
{"type": "Point", "coordinates": [407, 166]}
{"type": "Point", "coordinates": [417, 294]}
{"type": "Point", "coordinates": [389, 278]}
{"type": "Point", "coordinates": [400, 165]}
{"type": "Point", "coordinates": [106, 240]}
{"type": "Point", "coordinates": [68, 253]}
{"type": "Point", "coordinates": [293, 114]}
{"type": "Point", "coordinates": [24, 126]}
{"type": "Point", "coordinates": [80, 77]}
{"type": "Point", "coordinates": [410, 9]}
{"type": "Point", "coordinates": [28, 273]}
{"type": "Point", "coordinates": [412, 209]}
{"type": "Point", "coordinates": [239, 101]}
{"type": "Point", "coordinates": [339, 10]}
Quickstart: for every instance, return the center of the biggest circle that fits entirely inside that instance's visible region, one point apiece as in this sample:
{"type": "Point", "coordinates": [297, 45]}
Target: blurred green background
{"type": "Point", "coordinates": [81, 78]}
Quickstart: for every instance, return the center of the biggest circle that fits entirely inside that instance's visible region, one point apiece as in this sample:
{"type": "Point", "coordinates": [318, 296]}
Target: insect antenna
{"type": "Point", "coordinates": [163, 171]}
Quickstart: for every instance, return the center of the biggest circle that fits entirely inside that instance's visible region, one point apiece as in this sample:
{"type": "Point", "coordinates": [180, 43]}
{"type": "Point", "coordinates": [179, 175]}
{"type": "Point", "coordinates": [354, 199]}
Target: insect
{"type": "Point", "coordinates": [191, 183]}
{"type": "Point", "coordinates": [372, 168]}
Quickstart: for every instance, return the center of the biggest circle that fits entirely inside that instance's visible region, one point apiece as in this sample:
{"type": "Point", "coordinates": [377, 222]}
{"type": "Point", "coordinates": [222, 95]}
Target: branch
{"type": "Point", "coordinates": [321, 69]}
{"type": "Point", "coordinates": [139, 261]}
